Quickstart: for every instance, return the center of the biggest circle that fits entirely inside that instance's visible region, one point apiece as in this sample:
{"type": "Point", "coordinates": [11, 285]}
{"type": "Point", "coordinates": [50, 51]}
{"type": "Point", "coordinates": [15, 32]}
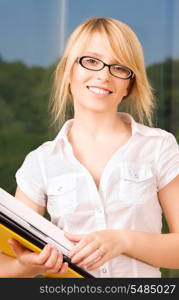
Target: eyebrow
{"type": "Point", "coordinates": [98, 55]}
{"type": "Point", "coordinates": [93, 53]}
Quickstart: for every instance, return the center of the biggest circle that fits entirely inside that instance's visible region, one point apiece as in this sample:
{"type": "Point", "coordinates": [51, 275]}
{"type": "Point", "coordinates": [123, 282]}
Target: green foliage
{"type": "Point", "coordinates": [24, 118]}
{"type": "Point", "coordinates": [165, 81]}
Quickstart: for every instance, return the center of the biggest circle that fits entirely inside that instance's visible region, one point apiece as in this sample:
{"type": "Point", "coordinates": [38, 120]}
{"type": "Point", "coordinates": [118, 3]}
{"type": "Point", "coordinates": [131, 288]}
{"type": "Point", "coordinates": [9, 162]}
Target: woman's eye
{"type": "Point", "coordinates": [92, 61]}
{"type": "Point", "coordinates": [120, 69]}
{"type": "Point", "coordinates": [117, 68]}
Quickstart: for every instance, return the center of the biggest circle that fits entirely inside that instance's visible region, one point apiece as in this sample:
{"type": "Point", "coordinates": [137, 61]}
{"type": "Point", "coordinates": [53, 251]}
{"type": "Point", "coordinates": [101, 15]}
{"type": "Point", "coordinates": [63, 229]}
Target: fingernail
{"type": "Point", "coordinates": [80, 265]}
{"type": "Point", "coordinates": [70, 254]}
{"type": "Point", "coordinates": [53, 247]}
{"type": "Point", "coordinates": [48, 247]}
{"type": "Point", "coordinates": [74, 259]}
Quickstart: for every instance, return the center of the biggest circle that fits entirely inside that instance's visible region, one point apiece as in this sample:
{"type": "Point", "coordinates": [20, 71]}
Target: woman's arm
{"type": "Point", "coordinates": [161, 250]}
{"type": "Point", "coordinates": [26, 200]}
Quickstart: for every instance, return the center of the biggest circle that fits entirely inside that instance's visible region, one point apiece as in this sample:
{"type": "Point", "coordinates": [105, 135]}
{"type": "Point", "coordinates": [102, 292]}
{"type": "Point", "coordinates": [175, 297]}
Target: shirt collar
{"type": "Point", "coordinates": [61, 138]}
{"type": "Point", "coordinates": [143, 129]}
{"type": "Point", "coordinates": [64, 130]}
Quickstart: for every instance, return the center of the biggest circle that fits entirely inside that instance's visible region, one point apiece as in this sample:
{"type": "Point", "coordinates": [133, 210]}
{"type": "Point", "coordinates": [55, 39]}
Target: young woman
{"type": "Point", "coordinates": [105, 179]}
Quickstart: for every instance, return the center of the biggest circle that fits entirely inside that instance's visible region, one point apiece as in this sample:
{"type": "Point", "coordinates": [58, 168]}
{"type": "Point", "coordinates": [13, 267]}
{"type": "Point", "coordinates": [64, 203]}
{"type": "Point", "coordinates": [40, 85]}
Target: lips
{"type": "Point", "coordinates": [99, 90]}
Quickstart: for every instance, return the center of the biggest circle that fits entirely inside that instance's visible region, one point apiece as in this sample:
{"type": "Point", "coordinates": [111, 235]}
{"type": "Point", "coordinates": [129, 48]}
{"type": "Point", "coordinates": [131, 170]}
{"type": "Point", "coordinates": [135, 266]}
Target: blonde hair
{"type": "Point", "coordinates": [126, 49]}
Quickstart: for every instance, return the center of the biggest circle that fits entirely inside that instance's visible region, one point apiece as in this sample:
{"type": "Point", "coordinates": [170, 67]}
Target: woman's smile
{"type": "Point", "coordinates": [99, 91]}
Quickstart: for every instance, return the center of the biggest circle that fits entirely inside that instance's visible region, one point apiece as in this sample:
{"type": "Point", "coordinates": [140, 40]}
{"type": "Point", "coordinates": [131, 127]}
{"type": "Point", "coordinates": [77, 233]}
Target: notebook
{"type": "Point", "coordinates": [32, 230]}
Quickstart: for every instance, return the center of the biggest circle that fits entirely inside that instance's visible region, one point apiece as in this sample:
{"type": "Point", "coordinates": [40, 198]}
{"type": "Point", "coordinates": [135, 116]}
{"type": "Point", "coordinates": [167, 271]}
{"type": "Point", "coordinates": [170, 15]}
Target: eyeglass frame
{"type": "Point", "coordinates": [131, 73]}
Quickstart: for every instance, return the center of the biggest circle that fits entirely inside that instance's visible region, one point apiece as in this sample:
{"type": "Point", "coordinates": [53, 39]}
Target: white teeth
{"type": "Point", "coordinates": [98, 90]}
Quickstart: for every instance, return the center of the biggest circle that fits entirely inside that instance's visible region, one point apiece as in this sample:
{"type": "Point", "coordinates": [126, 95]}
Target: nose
{"type": "Point", "coordinates": [103, 74]}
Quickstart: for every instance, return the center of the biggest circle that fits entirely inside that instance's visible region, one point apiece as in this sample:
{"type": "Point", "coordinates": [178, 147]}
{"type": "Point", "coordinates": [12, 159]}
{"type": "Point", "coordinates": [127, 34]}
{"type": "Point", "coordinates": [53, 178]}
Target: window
{"type": "Point", "coordinates": [32, 37]}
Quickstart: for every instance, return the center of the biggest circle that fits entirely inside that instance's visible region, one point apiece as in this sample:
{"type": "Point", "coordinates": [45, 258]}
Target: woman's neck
{"type": "Point", "coordinates": [97, 127]}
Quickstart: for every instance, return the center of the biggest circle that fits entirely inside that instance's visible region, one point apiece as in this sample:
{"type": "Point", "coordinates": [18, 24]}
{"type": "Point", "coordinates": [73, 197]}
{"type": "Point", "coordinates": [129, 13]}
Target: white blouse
{"type": "Point", "coordinates": [127, 196]}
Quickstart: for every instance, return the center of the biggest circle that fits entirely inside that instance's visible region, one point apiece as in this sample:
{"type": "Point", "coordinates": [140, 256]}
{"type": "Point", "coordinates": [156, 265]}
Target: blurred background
{"type": "Point", "coordinates": [32, 37]}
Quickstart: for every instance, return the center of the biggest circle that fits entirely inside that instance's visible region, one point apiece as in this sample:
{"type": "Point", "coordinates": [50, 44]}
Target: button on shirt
{"type": "Point", "coordinates": [127, 195]}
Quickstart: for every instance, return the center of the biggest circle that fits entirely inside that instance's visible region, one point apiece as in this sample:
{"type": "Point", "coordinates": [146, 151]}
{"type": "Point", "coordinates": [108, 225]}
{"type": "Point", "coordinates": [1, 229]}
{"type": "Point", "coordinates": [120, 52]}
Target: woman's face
{"type": "Point", "coordinates": [97, 90]}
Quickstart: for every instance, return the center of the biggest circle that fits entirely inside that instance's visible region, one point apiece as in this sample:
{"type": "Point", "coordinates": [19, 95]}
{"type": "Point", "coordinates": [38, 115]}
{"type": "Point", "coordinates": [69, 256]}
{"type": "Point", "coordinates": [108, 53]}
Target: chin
{"type": "Point", "coordinates": [93, 105]}
{"type": "Point", "coordinates": [97, 108]}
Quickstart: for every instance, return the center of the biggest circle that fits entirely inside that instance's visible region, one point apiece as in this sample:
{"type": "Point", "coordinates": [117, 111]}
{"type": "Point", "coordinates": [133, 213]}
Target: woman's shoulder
{"type": "Point", "coordinates": [56, 144]}
{"type": "Point", "coordinates": [48, 148]}
{"type": "Point", "coordinates": [145, 129]}
{"type": "Point", "coordinates": [159, 136]}
{"type": "Point", "coordinates": [154, 131]}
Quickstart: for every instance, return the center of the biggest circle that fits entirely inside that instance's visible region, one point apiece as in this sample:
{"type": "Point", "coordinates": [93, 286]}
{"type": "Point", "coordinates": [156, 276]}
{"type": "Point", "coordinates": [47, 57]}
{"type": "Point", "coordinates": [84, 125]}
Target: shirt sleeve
{"type": "Point", "coordinates": [168, 161]}
{"type": "Point", "coordinates": [30, 180]}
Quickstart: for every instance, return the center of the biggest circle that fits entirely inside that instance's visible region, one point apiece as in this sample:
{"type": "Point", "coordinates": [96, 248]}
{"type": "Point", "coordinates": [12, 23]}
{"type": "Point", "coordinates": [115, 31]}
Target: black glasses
{"type": "Point", "coordinates": [95, 64]}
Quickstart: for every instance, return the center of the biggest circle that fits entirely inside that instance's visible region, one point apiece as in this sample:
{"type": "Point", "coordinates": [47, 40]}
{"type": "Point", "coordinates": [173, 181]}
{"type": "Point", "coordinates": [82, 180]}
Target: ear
{"type": "Point", "coordinates": [129, 88]}
{"type": "Point", "coordinates": [126, 93]}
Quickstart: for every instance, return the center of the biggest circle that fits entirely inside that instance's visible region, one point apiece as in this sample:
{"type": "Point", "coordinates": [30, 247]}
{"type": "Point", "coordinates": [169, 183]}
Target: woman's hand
{"type": "Point", "coordinates": [31, 264]}
{"type": "Point", "coordinates": [94, 249]}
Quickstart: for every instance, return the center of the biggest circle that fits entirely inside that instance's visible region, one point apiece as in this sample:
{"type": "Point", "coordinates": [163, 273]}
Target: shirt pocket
{"type": "Point", "coordinates": [136, 184]}
{"type": "Point", "coordinates": [61, 193]}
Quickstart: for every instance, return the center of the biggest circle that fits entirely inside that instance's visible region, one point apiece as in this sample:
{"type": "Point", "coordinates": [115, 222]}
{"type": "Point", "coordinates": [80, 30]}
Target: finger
{"type": "Point", "coordinates": [83, 243]}
{"type": "Point", "coordinates": [63, 269]}
{"type": "Point", "coordinates": [52, 259]}
{"type": "Point", "coordinates": [59, 263]}
{"type": "Point", "coordinates": [73, 237]}
{"type": "Point", "coordinates": [77, 248]}
{"type": "Point", "coordinates": [18, 248]}
{"type": "Point", "coordinates": [56, 267]}
{"type": "Point", "coordinates": [44, 255]}
{"type": "Point", "coordinates": [97, 264]}
{"type": "Point", "coordinates": [91, 259]}
{"type": "Point", "coordinates": [84, 252]}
